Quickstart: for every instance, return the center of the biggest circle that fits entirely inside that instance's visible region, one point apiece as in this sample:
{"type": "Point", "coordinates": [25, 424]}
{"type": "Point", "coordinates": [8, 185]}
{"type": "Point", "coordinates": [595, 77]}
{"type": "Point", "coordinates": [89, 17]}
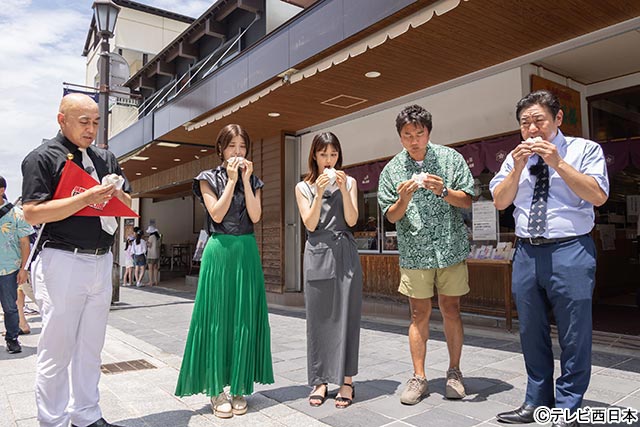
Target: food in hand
{"type": "Point", "coordinates": [114, 179]}
{"type": "Point", "coordinates": [240, 161]}
{"type": "Point", "coordinates": [419, 178]}
{"type": "Point", "coordinates": [533, 140]}
{"type": "Point", "coordinates": [331, 174]}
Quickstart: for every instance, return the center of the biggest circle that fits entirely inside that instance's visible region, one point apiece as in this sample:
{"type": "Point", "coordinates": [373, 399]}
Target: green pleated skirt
{"type": "Point", "coordinates": [229, 342]}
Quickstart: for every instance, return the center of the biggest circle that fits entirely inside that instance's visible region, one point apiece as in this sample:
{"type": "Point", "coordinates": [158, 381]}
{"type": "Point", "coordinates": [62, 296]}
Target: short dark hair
{"type": "Point", "coordinates": [415, 115]}
{"type": "Point", "coordinates": [544, 98]}
{"type": "Point", "coordinates": [320, 143]}
{"type": "Point", "coordinates": [225, 136]}
{"type": "Point", "coordinates": [3, 182]}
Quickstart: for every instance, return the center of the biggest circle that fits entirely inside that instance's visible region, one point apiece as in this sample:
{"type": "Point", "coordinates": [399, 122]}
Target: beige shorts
{"type": "Point", "coordinates": [152, 261]}
{"type": "Point", "coordinates": [450, 281]}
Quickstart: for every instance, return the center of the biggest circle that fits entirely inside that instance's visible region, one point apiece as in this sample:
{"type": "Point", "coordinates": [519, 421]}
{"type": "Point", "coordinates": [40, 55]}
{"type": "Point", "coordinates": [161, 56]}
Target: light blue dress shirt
{"type": "Point", "coordinates": [567, 214]}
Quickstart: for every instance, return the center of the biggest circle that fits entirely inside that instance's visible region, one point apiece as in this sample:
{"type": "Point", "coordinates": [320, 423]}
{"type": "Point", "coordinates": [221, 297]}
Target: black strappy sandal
{"type": "Point", "coordinates": [340, 399]}
{"type": "Point", "coordinates": [319, 397]}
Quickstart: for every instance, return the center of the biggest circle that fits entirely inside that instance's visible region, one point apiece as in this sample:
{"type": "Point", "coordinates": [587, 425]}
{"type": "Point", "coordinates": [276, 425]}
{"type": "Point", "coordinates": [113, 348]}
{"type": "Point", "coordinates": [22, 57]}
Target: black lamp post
{"type": "Point", "coordinates": [105, 13]}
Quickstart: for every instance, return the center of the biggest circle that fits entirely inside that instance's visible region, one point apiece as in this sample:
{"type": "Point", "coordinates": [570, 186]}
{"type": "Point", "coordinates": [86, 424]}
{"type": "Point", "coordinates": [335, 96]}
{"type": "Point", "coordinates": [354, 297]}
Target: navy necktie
{"type": "Point", "coordinates": [538, 211]}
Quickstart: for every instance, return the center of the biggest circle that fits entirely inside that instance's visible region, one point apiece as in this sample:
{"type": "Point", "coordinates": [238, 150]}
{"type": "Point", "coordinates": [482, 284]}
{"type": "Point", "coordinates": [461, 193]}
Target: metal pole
{"type": "Point", "coordinates": [103, 104]}
{"type": "Point", "coordinates": [103, 142]}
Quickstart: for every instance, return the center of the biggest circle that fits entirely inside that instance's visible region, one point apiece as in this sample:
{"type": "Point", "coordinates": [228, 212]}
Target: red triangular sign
{"type": "Point", "coordinates": [74, 181]}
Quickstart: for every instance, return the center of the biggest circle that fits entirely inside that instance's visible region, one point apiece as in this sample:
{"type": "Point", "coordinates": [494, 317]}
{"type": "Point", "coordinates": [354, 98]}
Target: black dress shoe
{"type": "Point", "coordinates": [100, 423]}
{"type": "Point", "coordinates": [522, 415]}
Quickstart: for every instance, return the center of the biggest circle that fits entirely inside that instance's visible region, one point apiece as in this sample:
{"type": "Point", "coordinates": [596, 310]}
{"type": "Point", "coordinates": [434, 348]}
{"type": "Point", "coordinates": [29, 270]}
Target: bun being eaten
{"type": "Point", "coordinates": [114, 179]}
{"type": "Point", "coordinates": [331, 174]}
{"type": "Point", "coordinates": [419, 178]}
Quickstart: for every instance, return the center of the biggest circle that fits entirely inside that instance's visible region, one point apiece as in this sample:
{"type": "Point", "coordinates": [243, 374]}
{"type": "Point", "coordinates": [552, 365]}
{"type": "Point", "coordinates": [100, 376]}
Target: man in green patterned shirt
{"type": "Point", "coordinates": [422, 190]}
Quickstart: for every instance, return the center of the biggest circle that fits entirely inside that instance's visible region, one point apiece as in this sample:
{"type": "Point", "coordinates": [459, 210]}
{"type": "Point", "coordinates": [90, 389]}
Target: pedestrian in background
{"type": "Point", "coordinates": [139, 253]}
{"type": "Point", "coordinates": [554, 181]}
{"type": "Point", "coordinates": [127, 277]}
{"type": "Point", "coordinates": [153, 254]}
{"type": "Point", "coordinates": [229, 338]}
{"type": "Point", "coordinates": [24, 288]}
{"type": "Point", "coordinates": [14, 251]}
{"type": "Point", "coordinates": [328, 204]}
{"type": "Point", "coordinates": [423, 190]}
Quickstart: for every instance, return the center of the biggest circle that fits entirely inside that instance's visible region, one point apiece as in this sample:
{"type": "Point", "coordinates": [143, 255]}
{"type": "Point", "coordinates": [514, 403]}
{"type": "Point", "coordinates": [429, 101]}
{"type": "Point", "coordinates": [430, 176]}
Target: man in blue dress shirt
{"type": "Point", "coordinates": [554, 181]}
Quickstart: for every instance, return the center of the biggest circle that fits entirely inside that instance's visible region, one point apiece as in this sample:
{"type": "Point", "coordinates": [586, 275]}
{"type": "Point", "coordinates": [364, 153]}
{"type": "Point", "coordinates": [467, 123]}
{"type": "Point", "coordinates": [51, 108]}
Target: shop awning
{"type": "Point", "coordinates": [389, 33]}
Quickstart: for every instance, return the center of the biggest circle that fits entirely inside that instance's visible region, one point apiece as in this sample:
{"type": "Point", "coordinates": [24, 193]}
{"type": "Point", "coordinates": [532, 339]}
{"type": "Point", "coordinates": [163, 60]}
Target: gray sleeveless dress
{"type": "Point", "coordinates": [333, 294]}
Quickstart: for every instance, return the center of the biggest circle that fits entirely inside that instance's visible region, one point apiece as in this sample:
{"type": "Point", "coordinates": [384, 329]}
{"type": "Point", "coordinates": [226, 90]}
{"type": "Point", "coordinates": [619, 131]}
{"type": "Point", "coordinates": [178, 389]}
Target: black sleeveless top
{"type": "Point", "coordinates": [237, 220]}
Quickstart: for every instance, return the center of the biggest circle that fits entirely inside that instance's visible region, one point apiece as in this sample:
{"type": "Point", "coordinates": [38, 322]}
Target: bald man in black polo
{"type": "Point", "coordinates": [72, 274]}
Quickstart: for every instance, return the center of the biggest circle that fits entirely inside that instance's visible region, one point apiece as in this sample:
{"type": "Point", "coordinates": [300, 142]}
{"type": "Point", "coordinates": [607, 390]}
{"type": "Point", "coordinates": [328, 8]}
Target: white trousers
{"type": "Point", "coordinates": [73, 292]}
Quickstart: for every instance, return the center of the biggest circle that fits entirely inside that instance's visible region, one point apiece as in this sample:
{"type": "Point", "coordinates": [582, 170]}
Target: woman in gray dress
{"type": "Point", "coordinates": [328, 204]}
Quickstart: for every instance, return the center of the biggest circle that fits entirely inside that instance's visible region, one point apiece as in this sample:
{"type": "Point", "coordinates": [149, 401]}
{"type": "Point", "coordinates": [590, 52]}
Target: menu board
{"type": "Point", "coordinates": [485, 221]}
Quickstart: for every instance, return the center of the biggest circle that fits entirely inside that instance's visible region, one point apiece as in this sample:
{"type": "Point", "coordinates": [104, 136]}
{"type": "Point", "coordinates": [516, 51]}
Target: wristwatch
{"type": "Point", "coordinates": [444, 193]}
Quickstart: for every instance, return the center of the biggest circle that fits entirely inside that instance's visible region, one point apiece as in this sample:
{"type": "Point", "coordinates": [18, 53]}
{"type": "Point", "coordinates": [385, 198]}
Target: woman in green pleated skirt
{"type": "Point", "coordinates": [229, 341]}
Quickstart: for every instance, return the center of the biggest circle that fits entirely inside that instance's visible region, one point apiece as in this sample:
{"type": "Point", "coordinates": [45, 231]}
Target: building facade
{"type": "Point", "coordinates": [349, 66]}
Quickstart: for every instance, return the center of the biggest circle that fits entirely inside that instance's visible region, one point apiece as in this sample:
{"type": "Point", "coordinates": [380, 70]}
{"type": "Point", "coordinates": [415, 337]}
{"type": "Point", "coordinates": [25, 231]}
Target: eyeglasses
{"type": "Point", "coordinates": [538, 121]}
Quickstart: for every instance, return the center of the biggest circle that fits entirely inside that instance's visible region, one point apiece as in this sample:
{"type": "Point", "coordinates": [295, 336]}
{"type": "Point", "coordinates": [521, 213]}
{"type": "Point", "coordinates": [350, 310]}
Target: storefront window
{"type": "Point", "coordinates": [613, 114]}
{"type": "Point", "coordinates": [366, 229]}
{"type": "Point", "coordinates": [373, 233]}
{"type": "Point", "coordinates": [390, 236]}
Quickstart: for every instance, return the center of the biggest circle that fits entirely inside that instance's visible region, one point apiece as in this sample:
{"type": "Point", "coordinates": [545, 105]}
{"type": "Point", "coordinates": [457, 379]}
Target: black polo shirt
{"type": "Point", "coordinates": [41, 171]}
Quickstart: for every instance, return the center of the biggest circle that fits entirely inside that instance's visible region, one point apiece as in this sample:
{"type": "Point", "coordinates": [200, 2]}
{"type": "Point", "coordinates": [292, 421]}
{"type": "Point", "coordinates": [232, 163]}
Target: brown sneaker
{"type": "Point", "coordinates": [415, 389]}
{"type": "Point", "coordinates": [455, 387]}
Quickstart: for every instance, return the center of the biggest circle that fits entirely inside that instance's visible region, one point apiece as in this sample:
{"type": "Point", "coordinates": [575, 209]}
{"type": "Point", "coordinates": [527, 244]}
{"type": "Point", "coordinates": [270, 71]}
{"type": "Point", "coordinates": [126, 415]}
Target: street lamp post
{"type": "Point", "coordinates": [105, 13]}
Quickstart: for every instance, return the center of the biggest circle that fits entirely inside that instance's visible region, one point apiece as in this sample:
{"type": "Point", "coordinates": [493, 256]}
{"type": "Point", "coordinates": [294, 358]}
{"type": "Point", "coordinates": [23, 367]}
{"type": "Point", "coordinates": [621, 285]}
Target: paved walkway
{"type": "Point", "coordinates": [150, 325]}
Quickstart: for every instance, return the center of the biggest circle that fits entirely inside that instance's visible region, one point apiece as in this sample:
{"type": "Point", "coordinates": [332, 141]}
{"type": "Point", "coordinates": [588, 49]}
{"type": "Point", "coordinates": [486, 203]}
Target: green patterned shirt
{"type": "Point", "coordinates": [431, 234]}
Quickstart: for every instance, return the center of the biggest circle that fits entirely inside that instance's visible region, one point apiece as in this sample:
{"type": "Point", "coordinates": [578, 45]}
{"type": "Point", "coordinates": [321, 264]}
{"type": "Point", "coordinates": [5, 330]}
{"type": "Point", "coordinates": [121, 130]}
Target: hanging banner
{"type": "Point", "coordinates": [93, 95]}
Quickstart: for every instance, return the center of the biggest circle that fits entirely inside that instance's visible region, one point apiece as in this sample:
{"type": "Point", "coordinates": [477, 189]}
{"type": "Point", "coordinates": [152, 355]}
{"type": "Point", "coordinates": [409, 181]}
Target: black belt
{"type": "Point", "coordinates": [540, 241]}
{"type": "Point", "coordinates": [70, 248]}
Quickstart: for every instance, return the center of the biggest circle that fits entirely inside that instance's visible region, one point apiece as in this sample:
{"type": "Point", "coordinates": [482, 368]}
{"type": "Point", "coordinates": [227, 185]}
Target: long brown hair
{"type": "Point", "coordinates": [320, 143]}
{"type": "Point", "coordinates": [225, 136]}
